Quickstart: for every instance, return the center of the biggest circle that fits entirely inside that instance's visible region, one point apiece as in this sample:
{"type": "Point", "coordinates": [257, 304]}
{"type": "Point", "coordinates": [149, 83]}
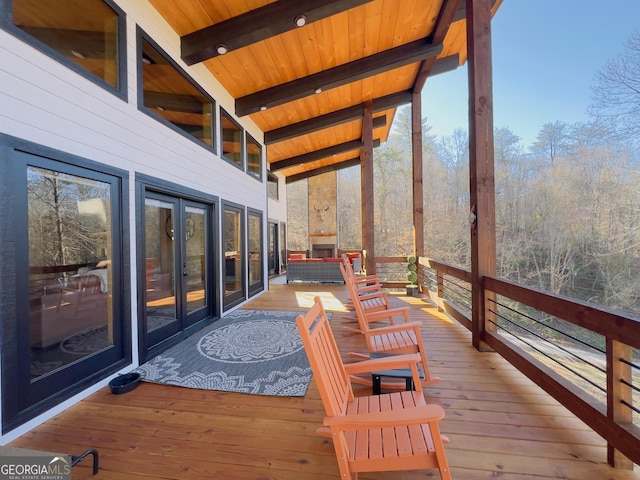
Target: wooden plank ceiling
{"type": "Point", "coordinates": [305, 86]}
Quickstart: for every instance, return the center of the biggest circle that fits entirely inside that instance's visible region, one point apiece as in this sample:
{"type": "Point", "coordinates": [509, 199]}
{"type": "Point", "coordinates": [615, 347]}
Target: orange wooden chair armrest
{"type": "Point", "coordinates": [408, 416]}
{"type": "Point", "coordinates": [377, 294]}
{"type": "Point", "coordinates": [365, 287]}
{"type": "Point", "coordinates": [383, 363]}
{"type": "Point", "coordinates": [389, 313]}
{"type": "Point", "coordinates": [399, 327]}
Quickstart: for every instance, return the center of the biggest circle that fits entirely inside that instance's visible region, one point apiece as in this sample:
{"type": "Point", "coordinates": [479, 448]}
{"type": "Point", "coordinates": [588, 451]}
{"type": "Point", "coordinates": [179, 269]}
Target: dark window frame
{"type": "Point", "coordinates": [272, 179]}
{"type": "Point", "coordinates": [243, 155]}
{"type": "Point", "coordinates": [239, 296]}
{"type": "Point", "coordinates": [258, 286]}
{"type": "Point", "coordinates": [142, 35]}
{"type": "Point", "coordinates": [121, 91]}
{"type": "Point", "coordinates": [249, 139]}
{"type": "Point", "coordinates": [23, 400]}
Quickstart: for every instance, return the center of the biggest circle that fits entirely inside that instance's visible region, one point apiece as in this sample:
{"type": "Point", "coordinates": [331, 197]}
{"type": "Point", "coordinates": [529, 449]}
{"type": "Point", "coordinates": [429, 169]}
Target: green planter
{"type": "Point", "coordinates": [412, 290]}
{"type": "Point", "coordinates": [412, 276]}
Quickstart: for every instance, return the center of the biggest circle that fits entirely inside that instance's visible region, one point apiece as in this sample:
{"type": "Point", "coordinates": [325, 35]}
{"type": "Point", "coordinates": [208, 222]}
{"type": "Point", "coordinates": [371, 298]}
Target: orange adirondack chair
{"type": "Point", "coordinates": [375, 433]}
{"type": "Point", "coordinates": [371, 295]}
{"type": "Point", "coordinates": [367, 283]}
{"type": "Point", "coordinates": [397, 338]}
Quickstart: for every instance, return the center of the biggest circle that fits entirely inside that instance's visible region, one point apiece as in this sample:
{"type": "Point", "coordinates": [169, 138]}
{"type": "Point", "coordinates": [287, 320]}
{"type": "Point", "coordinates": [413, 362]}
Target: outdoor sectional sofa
{"type": "Point", "coordinates": [313, 270]}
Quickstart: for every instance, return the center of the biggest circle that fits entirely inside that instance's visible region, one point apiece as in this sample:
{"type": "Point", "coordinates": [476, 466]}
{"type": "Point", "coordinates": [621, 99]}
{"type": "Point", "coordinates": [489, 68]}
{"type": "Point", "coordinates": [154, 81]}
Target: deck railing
{"type": "Point", "coordinates": [585, 356]}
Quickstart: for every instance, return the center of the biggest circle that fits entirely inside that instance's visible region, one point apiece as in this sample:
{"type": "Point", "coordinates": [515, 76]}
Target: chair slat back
{"type": "Point", "coordinates": [357, 304]}
{"type": "Point", "coordinates": [325, 360]}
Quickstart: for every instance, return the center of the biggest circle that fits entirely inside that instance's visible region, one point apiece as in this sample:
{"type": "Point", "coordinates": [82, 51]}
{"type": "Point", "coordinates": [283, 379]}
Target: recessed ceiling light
{"type": "Point", "coordinates": [263, 108]}
{"type": "Point", "coordinates": [318, 90]}
{"type": "Point", "coordinates": [222, 49]}
{"type": "Point", "coordinates": [76, 53]}
{"type": "Point", "coordinates": [301, 20]}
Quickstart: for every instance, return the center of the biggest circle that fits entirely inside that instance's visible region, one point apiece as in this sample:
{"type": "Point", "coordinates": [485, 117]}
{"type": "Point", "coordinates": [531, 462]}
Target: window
{"type": "Point", "coordinates": [90, 39]}
{"type": "Point", "coordinates": [231, 134]}
{"type": "Point", "coordinates": [233, 258]}
{"type": "Point", "coordinates": [254, 157]}
{"type": "Point", "coordinates": [70, 276]}
{"type": "Point", "coordinates": [272, 186]}
{"type": "Point", "coordinates": [254, 239]}
{"type": "Point", "coordinates": [168, 94]}
{"type": "Point", "coordinates": [67, 324]}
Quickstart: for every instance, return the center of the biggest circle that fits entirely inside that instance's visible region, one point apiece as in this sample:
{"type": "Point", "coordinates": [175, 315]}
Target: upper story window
{"type": "Point", "coordinates": [232, 144]}
{"type": "Point", "coordinates": [272, 186]}
{"type": "Point", "coordinates": [167, 93]}
{"type": "Point", "coordinates": [254, 157]}
{"type": "Point", "coordinates": [88, 36]}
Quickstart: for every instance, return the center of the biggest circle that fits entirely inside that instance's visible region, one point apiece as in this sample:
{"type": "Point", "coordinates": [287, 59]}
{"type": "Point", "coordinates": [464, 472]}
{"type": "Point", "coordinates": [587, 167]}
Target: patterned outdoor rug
{"type": "Point", "coordinates": [248, 351]}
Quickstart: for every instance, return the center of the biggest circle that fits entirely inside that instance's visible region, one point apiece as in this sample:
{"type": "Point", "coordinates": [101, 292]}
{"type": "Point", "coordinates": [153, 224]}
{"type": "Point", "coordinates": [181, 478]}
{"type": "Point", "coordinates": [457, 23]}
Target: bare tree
{"type": "Point", "coordinates": [551, 141]}
{"type": "Point", "coordinates": [616, 95]}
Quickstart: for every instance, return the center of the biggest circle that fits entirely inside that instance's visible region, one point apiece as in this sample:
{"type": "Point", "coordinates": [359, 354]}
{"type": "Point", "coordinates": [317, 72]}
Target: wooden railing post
{"type": "Point", "coordinates": [440, 287]}
{"type": "Point", "coordinates": [619, 379]}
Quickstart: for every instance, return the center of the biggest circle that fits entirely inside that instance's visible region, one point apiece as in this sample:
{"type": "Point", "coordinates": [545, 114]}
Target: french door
{"type": "Point", "coordinates": [274, 263]}
{"type": "Point", "coordinates": [178, 277]}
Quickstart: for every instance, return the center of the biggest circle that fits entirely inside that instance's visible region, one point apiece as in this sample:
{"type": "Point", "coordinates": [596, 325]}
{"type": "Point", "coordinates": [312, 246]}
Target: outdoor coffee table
{"type": "Point", "coordinates": [376, 377]}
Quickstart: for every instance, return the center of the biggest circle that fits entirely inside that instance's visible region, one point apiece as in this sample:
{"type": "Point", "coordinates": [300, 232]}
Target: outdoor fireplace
{"type": "Point", "coordinates": [322, 250]}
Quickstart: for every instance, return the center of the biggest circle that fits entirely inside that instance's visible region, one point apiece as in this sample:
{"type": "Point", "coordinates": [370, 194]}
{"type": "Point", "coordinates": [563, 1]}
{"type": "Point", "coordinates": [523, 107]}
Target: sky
{"type": "Point", "coordinates": [546, 54]}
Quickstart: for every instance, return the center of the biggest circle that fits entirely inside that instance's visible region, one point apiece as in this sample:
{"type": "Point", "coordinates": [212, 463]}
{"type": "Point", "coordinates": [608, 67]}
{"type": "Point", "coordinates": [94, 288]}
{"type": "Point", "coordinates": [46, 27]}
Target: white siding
{"type": "Point", "coordinates": [44, 102]}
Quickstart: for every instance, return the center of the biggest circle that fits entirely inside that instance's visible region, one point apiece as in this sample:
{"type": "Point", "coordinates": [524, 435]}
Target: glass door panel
{"type": "Point", "coordinates": [195, 271]}
{"type": "Point", "coordinates": [233, 258]}
{"type": "Point", "coordinates": [160, 289]}
{"type": "Point", "coordinates": [273, 248]}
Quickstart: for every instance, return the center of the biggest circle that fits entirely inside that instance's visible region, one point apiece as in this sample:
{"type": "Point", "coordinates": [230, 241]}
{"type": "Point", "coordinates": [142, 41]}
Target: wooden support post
{"type": "Point", "coordinates": [418, 194]}
{"type": "Point", "coordinates": [440, 288]}
{"type": "Point", "coordinates": [481, 168]}
{"type": "Point", "coordinates": [366, 179]}
{"type": "Point", "coordinates": [619, 377]}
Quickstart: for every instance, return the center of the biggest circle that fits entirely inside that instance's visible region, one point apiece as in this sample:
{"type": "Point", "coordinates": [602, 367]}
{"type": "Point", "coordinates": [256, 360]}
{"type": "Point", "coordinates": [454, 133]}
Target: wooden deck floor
{"type": "Point", "coordinates": [500, 424]}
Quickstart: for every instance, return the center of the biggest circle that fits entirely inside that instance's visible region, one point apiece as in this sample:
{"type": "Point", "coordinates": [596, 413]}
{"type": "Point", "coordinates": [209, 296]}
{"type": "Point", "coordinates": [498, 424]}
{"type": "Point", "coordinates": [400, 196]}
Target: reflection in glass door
{"type": "Point", "coordinates": [194, 271]}
{"type": "Point", "coordinates": [70, 275]}
{"type": "Point", "coordinates": [273, 249]}
{"type": "Point", "coordinates": [177, 290]}
{"type": "Point", "coordinates": [160, 251]}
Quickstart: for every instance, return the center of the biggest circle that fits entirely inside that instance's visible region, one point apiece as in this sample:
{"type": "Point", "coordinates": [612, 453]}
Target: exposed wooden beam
{"type": "Point", "coordinates": [256, 25]}
{"type": "Point", "coordinates": [326, 169]}
{"type": "Point", "coordinates": [337, 76]}
{"type": "Point", "coordinates": [315, 124]}
{"type": "Point", "coordinates": [319, 154]}
{"type": "Point", "coordinates": [335, 118]}
{"type": "Point", "coordinates": [461, 13]}
{"type": "Point", "coordinates": [445, 18]}
{"type": "Point", "coordinates": [443, 65]}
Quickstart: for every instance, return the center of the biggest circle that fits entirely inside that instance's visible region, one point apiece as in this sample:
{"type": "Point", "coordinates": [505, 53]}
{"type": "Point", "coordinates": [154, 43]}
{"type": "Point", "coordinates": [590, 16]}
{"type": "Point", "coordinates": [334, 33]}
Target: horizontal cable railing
{"type": "Point", "coordinates": [585, 356]}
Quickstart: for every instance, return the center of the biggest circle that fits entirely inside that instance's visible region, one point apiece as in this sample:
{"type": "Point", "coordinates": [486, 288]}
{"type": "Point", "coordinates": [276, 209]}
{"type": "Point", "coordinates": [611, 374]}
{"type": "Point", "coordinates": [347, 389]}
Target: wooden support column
{"type": "Point", "coordinates": [366, 180]}
{"type": "Point", "coordinates": [481, 168]}
{"type": "Point", "coordinates": [619, 396]}
{"type": "Point", "coordinates": [418, 194]}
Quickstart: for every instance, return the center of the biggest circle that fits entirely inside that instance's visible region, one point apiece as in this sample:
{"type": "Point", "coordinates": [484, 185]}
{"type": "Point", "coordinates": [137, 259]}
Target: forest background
{"type": "Point", "coordinates": [567, 205]}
